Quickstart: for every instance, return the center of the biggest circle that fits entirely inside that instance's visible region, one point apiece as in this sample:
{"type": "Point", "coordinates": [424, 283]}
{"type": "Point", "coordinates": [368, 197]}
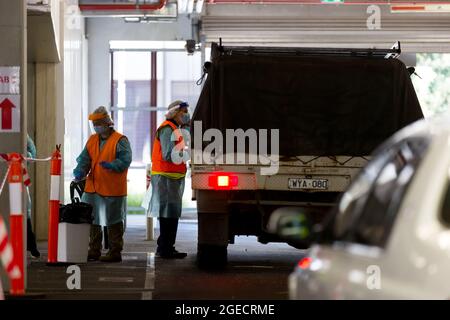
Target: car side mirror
{"type": "Point", "coordinates": [291, 224]}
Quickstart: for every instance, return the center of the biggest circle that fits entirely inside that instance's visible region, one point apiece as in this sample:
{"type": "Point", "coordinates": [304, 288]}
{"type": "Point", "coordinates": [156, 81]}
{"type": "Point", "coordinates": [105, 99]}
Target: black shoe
{"type": "Point", "coordinates": [94, 255]}
{"type": "Point", "coordinates": [171, 255]}
{"type": "Point", "coordinates": [111, 257]}
{"type": "Point", "coordinates": [93, 258]}
{"type": "Point", "coordinates": [35, 253]}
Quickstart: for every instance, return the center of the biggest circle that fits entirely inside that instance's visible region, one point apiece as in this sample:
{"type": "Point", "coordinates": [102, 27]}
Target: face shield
{"type": "Point", "coordinates": [184, 106]}
{"type": "Point", "coordinates": [98, 123]}
{"type": "Point", "coordinates": [174, 111]}
{"type": "Point", "coordinates": [187, 107]}
{"type": "Point", "coordinates": [91, 128]}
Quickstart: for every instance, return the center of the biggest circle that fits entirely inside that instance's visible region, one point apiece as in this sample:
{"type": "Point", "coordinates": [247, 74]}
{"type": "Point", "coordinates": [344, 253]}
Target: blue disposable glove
{"type": "Point", "coordinates": [106, 165]}
{"type": "Point", "coordinates": [78, 176]}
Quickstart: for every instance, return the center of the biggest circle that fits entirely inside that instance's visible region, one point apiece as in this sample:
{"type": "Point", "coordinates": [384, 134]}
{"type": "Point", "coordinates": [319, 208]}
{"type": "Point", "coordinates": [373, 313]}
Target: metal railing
{"type": "Point", "coordinates": [393, 52]}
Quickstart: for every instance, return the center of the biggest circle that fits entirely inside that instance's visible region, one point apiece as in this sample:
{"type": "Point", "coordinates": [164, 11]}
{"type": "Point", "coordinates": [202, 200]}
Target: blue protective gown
{"type": "Point", "coordinates": [107, 211]}
{"type": "Point", "coordinates": [167, 192]}
{"type": "Point", "coordinates": [31, 153]}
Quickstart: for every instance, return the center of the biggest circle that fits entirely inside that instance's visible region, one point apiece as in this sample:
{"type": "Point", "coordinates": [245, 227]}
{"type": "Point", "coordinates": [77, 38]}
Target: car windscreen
{"type": "Point", "coordinates": [367, 210]}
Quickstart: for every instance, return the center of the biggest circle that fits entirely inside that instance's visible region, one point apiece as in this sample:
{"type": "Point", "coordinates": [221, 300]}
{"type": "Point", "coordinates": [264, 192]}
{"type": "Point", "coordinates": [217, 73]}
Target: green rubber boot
{"type": "Point", "coordinates": [95, 243]}
{"type": "Point", "coordinates": [115, 236]}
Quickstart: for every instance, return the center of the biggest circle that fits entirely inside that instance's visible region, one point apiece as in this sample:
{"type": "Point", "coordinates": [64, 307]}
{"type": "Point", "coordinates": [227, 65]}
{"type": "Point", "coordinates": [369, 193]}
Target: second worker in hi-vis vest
{"type": "Point", "coordinates": [105, 161]}
{"type": "Point", "coordinates": [167, 178]}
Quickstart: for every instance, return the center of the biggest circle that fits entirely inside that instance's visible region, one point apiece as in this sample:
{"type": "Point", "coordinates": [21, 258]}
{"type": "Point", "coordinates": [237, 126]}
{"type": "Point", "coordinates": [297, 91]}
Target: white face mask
{"type": "Point", "coordinates": [100, 129]}
{"type": "Point", "coordinates": [185, 118]}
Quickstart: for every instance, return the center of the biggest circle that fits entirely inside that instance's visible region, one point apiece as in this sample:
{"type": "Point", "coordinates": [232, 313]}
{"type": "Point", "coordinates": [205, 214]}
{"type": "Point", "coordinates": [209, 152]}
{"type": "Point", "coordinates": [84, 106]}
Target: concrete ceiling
{"type": "Point", "coordinates": [42, 39]}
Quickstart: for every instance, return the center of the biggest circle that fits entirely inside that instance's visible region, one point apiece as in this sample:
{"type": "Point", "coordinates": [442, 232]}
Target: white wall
{"type": "Point", "coordinates": [75, 90]}
{"type": "Point", "coordinates": [102, 30]}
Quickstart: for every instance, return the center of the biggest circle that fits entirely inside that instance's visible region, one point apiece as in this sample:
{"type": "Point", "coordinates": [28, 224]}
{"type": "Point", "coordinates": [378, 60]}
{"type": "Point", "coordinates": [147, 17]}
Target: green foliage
{"type": "Point", "coordinates": [134, 201]}
{"type": "Point", "coordinates": [433, 90]}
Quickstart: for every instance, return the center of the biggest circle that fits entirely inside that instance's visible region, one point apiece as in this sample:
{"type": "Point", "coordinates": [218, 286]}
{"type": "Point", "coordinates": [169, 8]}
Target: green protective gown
{"type": "Point", "coordinates": [167, 193]}
{"type": "Point", "coordinates": [108, 211]}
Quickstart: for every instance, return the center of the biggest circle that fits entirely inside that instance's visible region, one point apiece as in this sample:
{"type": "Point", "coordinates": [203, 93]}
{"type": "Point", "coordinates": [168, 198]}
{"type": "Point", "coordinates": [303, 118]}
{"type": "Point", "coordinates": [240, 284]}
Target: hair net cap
{"type": "Point", "coordinates": [101, 114]}
{"type": "Point", "coordinates": [173, 108]}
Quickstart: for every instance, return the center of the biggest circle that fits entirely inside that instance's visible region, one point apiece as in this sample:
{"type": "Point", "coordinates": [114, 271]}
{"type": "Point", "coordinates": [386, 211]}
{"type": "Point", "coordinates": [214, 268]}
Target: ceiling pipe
{"type": "Point", "coordinates": [123, 7]}
{"type": "Point", "coordinates": [324, 2]}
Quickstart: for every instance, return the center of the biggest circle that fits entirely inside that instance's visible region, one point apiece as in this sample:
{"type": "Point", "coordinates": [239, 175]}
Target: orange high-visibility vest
{"type": "Point", "coordinates": [158, 163]}
{"type": "Point", "coordinates": [105, 182]}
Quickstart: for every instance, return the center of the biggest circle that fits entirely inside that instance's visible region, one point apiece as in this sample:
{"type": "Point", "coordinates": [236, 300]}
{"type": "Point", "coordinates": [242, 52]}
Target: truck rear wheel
{"type": "Point", "coordinates": [212, 240]}
{"type": "Point", "coordinates": [211, 256]}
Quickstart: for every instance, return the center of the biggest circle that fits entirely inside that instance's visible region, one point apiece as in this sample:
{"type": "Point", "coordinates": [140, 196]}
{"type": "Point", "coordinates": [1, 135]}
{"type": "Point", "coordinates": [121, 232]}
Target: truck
{"type": "Point", "coordinates": [276, 127]}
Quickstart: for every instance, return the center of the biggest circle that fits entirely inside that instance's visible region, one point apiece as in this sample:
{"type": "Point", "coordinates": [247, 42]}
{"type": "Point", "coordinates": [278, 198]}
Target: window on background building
{"type": "Point", "coordinates": [187, 91]}
{"type": "Point", "coordinates": [177, 74]}
{"type": "Point", "coordinates": [131, 96]}
{"type": "Point", "coordinates": [433, 86]}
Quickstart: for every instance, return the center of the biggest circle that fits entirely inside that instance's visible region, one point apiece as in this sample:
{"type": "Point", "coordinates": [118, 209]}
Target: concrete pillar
{"type": "Point", "coordinates": [45, 140]}
{"type": "Point", "coordinates": [50, 127]}
{"type": "Point", "coordinates": [13, 52]}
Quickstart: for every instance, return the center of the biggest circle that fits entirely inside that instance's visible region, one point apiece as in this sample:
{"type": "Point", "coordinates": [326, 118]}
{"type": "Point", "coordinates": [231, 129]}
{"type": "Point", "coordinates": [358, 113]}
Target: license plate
{"type": "Point", "coordinates": [311, 184]}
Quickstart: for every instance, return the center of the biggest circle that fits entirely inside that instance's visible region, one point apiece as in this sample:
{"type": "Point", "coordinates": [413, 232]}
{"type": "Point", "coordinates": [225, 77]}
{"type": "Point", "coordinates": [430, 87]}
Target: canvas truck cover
{"type": "Point", "coordinates": [322, 105]}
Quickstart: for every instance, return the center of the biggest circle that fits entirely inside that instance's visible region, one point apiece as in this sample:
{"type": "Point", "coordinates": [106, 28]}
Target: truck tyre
{"type": "Point", "coordinates": [212, 240]}
{"type": "Point", "coordinates": [211, 257]}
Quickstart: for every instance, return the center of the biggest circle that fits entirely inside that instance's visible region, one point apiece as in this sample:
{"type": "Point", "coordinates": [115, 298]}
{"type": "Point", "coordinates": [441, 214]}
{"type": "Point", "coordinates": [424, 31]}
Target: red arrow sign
{"type": "Point", "coordinates": [6, 107]}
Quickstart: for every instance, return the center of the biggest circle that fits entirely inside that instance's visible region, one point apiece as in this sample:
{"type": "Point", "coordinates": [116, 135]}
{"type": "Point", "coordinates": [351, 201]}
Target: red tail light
{"type": "Point", "coordinates": [304, 263]}
{"type": "Point", "coordinates": [223, 181]}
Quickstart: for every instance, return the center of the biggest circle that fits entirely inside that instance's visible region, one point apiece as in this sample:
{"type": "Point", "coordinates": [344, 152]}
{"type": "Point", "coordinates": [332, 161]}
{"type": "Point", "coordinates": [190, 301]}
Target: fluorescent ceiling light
{"type": "Point", "coordinates": [132, 19]}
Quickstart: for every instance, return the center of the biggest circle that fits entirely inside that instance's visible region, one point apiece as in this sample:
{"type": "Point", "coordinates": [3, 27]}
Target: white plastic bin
{"type": "Point", "coordinates": [73, 242]}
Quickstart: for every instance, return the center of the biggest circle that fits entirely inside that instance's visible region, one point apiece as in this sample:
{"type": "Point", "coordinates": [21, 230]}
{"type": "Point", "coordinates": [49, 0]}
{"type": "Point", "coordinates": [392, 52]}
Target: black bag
{"type": "Point", "coordinates": [76, 212]}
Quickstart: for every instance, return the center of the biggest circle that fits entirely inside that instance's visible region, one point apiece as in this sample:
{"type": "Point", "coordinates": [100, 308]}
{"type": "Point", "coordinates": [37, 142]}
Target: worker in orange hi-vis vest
{"type": "Point", "coordinates": [7, 256]}
{"type": "Point", "coordinates": [104, 162]}
{"type": "Point", "coordinates": [167, 178]}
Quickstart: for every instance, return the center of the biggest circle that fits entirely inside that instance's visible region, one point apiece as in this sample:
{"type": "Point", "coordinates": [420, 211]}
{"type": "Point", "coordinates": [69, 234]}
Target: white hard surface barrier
{"type": "Point", "coordinates": [73, 242]}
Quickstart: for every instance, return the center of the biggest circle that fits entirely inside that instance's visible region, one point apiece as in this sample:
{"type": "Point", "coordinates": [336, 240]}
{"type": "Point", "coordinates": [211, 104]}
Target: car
{"type": "Point", "coordinates": [389, 235]}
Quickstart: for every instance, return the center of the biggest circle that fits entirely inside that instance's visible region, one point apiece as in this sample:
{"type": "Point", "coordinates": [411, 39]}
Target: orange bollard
{"type": "Point", "coordinates": [53, 206]}
{"type": "Point", "coordinates": [7, 256]}
{"type": "Point", "coordinates": [16, 220]}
